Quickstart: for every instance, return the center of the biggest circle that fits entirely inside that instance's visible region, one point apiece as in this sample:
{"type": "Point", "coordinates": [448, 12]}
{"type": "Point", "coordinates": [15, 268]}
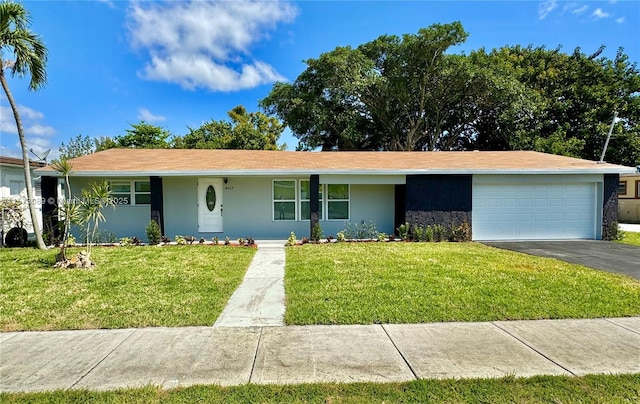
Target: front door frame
{"type": "Point", "coordinates": [210, 221]}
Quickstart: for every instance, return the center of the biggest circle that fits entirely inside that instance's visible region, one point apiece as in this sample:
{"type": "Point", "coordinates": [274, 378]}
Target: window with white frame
{"type": "Point", "coordinates": [305, 205]}
{"type": "Point", "coordinates": [284, 200]}
{"type": "Point", "coordinates": [622, 188]}
{"type": "Point", "coordinates": [337, 201]}
{"type": "Point", "coordinates": [130, 192]}
{"type": "Point", "coordinates": [292, 200]}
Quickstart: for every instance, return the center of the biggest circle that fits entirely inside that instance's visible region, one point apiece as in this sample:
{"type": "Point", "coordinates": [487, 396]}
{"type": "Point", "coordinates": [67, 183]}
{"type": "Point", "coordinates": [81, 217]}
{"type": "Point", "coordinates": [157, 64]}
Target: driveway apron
{"type": "Point", "coordinates": [603, 255]}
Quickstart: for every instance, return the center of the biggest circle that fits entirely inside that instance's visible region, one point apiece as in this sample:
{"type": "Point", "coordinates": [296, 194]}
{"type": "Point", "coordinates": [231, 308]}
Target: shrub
{"type": "Point", "coordinates": [439, 233]}
{"type": "Point", "coordinates": [382, 237]}
{"type": "Point", "coordinates": [316, 232]}
{"type": "Point", "coordinates": [153, 232]}
{"type": "Point", "coordinates": [216, 240]}
{"type": "Point", "coordinates": [403, 231]}
{"type": "Point", "coordinates": [419, 233]}
{"type": "Point", "coordinates": [613, 232]}
{"type": "Point", "coordinates": [462, 232]}
{"type": "Point", "coordinates": [180, 240]}
{"type": "Point", "coordinates": [340, 237]}
{"type": "Point", "coordinates": [125, 241]}
{"type": "Point", "coordinates": [291, 240]}
{"type": "Point", "coordinates": [227, 240]}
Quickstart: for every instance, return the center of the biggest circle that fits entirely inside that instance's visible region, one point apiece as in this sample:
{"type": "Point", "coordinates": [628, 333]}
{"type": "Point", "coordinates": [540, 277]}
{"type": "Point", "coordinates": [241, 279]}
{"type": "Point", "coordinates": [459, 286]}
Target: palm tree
{"type": "Point", "coordinates": [29, 56]}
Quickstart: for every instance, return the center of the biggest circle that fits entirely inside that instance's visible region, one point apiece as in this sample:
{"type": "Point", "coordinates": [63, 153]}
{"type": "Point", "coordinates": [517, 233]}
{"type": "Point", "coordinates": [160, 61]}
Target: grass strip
{"type": "Point", "coordinates": [539, 389]}
{"type": "Point", "coordinates": [365, 283]}
{"type": "Point", "coordinates": [130, 287]}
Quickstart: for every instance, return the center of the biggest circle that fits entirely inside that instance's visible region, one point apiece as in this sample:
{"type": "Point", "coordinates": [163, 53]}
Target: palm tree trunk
{"type": "Point", "coordinates": [25, 162]}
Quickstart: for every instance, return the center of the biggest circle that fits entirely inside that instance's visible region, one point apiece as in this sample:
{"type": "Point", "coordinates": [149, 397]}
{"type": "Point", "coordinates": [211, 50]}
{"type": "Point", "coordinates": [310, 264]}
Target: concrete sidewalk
{"type": "Point", "coordinates": [171, 357]}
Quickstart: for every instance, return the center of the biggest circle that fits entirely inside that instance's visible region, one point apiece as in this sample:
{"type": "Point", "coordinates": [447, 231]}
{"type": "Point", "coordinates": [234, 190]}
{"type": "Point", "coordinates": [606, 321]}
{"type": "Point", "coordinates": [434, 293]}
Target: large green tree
{"type": "Point", "coordinates": [76, 147]}
{"type": "Point", "coordinates": [573, 98]}
{"type": "Point", "coordinates": [143, 135]}
{"type": "Point", "coordinates": [29, 56]}
{"type": "Point", "coordinates": [392, 93]}
{"type": "Point", "coordinates": [248, 131]}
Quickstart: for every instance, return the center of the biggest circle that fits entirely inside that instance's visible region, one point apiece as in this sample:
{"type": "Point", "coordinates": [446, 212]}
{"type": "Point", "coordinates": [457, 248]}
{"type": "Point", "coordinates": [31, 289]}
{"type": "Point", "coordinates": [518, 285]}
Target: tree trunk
{"type": "Point", "coordinates": [25, 161]}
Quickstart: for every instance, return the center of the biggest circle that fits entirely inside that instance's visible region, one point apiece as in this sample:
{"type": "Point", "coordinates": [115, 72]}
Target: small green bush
{"type": "Point", "coordinates": [316, 232]}
{"type": "Point", "coordinates": [291, 241]}
{"type": "Point", "coordinates": [153, 232]}
{"type": "Point", "coordinates": [180, 240]}
{"type": "Point", "coordinates": [403, 231]}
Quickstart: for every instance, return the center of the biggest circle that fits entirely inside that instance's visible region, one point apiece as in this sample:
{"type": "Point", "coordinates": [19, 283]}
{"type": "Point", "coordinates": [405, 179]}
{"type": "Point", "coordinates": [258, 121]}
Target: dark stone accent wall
{"type": "Point", "coordinates": [609, 205]}
{"type": "Point", "coordinates": [49, 189]}
{"type": "Point", "coordinates": [157, 206]}
{"type": "Point", "coordinates": [314, 202]}
{"type": "Point", "coordinates": [438, 199]}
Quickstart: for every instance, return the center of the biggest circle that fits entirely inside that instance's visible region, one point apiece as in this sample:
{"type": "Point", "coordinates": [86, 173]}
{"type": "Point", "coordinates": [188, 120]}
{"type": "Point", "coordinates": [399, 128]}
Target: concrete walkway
{"type": "Point", "coordinates": [630, 227]}
{"type": "Point", "coordinates": [259, 300]}
{"type": "Point", "coordinates": [171, 357]}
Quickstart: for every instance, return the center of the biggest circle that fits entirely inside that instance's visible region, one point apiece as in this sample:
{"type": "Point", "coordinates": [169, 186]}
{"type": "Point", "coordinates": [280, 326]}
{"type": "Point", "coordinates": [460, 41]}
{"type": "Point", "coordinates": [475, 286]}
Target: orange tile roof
{"type": "Point", "coordinates": [130, 162]}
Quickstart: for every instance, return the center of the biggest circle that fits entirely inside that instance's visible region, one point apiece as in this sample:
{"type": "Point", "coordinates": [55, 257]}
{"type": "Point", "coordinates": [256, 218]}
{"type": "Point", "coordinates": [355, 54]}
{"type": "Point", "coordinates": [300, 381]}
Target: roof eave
{"type": "Point", "coordinates": [285, 172]}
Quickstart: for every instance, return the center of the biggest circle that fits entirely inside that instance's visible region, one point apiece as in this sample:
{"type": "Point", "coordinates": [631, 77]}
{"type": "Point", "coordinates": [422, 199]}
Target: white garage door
{"type": "Point", "coordinates": [534, 212]}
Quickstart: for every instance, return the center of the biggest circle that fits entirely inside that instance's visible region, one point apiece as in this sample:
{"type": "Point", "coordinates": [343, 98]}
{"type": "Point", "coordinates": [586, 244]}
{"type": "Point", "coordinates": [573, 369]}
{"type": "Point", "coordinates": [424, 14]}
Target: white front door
{"type": "Point", "coordinates": [210, 205]}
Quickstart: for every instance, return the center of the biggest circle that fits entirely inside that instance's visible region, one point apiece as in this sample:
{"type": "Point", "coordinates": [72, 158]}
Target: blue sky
{"type": "Point", "coordinates": [178, 63]}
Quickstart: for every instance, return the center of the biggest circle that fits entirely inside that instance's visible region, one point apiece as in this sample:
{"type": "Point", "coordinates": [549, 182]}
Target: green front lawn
{"type": "Point", "coordinates": [540, 389]}
{"type": "Point", "coordinates": [131, 287]}
{"type": "Point", "coordinates": [631, 238]}
{"type": "Point", "coordinates": [364, 283]}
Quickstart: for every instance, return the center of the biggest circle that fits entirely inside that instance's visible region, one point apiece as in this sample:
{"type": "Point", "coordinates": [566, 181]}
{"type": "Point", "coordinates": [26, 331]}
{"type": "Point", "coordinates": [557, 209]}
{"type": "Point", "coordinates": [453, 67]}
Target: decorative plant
{"type": "Point", "coordinates": [250, 241]}
{"type": "Point", "coordinates": [340, 237]}
{"type": "Point", "coordinates": [227, 240]}
{"type": "Point", "coordinates": [180, 240]}
{"type": "Point", "coordinates": [382, 237]}
{"type": "Point", "coordinates": [316, 233]}
{"type": "Point", "coordinates": [240, 241]}
{"type": "Point", "coordinates": [125, 241]}
{"type": "Point", "coordinates": [216, 240]}
{"type": "Point", "coordinates": [305, 240]}
{"type": "Point", "coordinates": [462, 232]}
{"type": "Point", "coordinates": [153, 232]}
{"type": "Point", "coordinates": [202, 240]}
{"type": "Point", "coordinates": [165, 239]}
{"type": "Point", "coordinates": [190, 239]}
{"type": "Point", "coordinates": [93, 201]}
{"type": "Point", "coordinates": [403, 231]}
{"type": "Point", "coordinates": [135, 240]}
{"type": "Point", "coordinates": [329, 238]}
{"type": "Point", "coordinates": [291, 241]}
{"type": "Point", "coordinates": [67, 209]}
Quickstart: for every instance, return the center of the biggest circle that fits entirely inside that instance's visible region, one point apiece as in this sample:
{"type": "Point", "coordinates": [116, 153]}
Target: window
{"type": "Point", "coordinates": [121, 192]}
{"type": "Point", "coordinates": [291, 200]}
{"type": "Point", "coordinates": [622, 188]}
{"type": "Point", "coordinates": [15, 187]}
{"type": "Point", "coordinates": [305, 206]}
{"type": "Point", "coordinates": [284, 200]}
{"type": "Point", "coordinates": [338, 201]}
{"type": "Point", "coordinates": [637, 189]}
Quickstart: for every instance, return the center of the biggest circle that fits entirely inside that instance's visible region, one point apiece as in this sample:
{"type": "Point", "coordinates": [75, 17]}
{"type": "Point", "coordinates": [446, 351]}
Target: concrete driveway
{"type": "Point", "coordinates": [603, 255]}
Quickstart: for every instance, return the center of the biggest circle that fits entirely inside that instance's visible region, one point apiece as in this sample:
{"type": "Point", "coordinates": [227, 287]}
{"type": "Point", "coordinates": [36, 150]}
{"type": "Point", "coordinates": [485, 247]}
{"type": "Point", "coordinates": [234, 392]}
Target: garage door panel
{"type": "Point", "coordinates": [540, 211]}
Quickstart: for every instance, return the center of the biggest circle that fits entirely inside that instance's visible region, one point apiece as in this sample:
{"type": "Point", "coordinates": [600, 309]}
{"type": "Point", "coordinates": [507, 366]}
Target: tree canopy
{"type": "Point", "coordinates": [411, 93]}
{"type": "Point", "coordinates": [246, 130]}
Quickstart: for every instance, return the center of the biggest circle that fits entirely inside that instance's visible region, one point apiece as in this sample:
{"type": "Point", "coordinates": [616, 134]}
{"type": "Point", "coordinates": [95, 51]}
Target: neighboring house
{"type": "Point", "coordinates": [267, 194]}
{"type": "Point", "coordinates": [12, 186]}
{"type": "Point", "coordinates": [629, 199]}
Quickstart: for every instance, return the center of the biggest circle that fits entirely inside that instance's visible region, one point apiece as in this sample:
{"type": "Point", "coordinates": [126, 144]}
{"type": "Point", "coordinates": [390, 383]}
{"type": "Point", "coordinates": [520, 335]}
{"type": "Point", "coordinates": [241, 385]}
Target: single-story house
{"type": "Point", "coordinates": [12, 186]}
{"type": "Point", "coordinates": [515, 195]}
{"type": "Point", "coordinates": [629, 199]}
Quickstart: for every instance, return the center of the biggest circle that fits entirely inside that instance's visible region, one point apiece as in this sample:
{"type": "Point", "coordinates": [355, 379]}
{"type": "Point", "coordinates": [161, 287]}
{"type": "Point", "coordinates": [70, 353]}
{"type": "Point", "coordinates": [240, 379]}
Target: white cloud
{"type": "Point", "coordinates": [206, 44]}
{"type": "Point", "coordinates": [109, 3]}
{"type": "Point", "coordinates": [546, 7]}
{"type": "Point", "coordinates": [146, 115]}
{"type": "Point", "coordinates": [620, 20]}
{"type": "Point", "coordinates": [580, 10]}
{"type": "Point", "coordinates": [37, 135]}
{"type": "Point", "coordinates": [599, 14]}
